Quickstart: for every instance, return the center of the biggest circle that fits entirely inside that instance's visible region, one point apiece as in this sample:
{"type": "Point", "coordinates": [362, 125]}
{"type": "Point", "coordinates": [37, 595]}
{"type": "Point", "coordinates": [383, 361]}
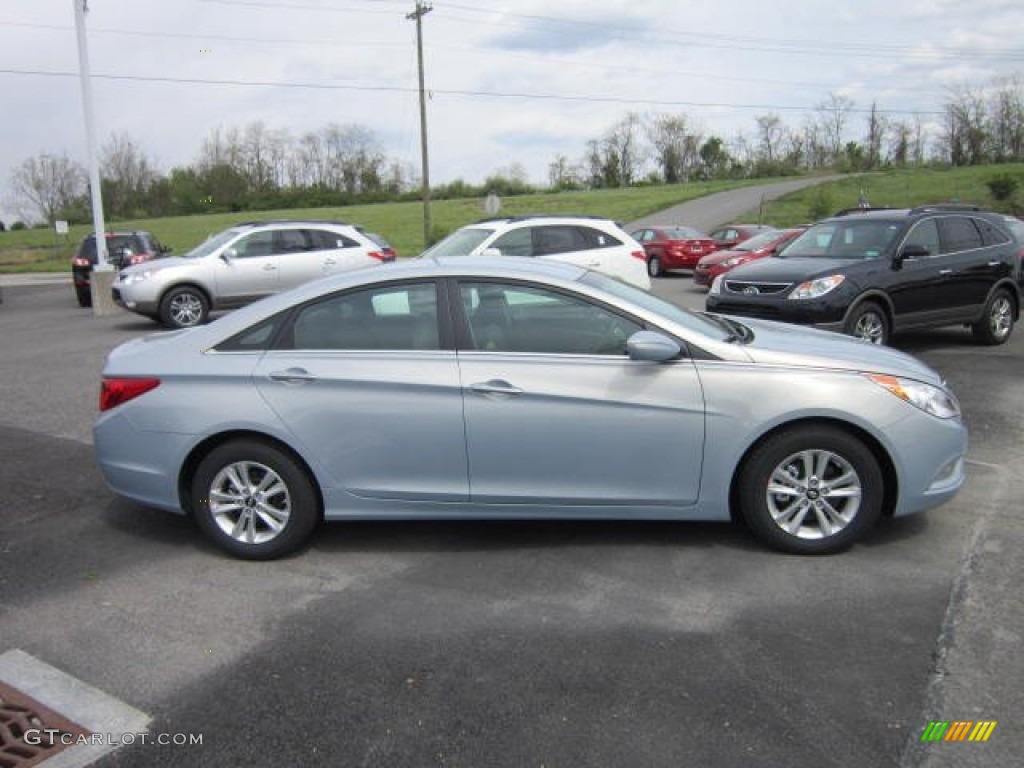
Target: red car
{"type": "Point", "coordinates": [668, 247]}
{"type": "Point", "coordinates": [765, 244]}
{"type": "Point", "coordinates": [732, 234]}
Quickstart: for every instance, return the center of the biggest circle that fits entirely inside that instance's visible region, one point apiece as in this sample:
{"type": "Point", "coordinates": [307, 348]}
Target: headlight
{"type": "Point", "coordinates": [934, 400]}
{"type": "Point", "coordinates": [716, 285]}
{"type": "Point", "coordinates": [138, 277]}
{"type": "Point", "coordinates": [812, 289]}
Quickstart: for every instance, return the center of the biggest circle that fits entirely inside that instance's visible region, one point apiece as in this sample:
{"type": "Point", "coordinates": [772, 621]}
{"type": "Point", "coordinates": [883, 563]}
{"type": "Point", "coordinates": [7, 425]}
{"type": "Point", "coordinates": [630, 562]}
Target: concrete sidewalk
{"type": "Point", "coordinates": [35, 278]}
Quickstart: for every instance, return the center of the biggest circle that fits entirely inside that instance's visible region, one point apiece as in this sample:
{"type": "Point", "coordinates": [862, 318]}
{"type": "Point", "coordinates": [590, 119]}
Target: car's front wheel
{"type": "Point", "coordinates": [184, 307]}
{"type": "Point", "coordinates": [996, 324]}
{"type": "Point", "coordinates": [868, 322]}
{"type": "Point", "coordinates": [254, 500]}
{"type": "Point", "coordinates": [810, 490]}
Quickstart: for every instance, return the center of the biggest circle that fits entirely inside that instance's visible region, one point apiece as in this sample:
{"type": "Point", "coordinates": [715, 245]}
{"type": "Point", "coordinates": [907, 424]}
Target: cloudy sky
{"type": "Point", "coordinates": [510, 81]}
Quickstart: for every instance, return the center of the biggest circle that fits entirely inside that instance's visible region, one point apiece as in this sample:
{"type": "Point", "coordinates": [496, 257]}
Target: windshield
{"type": "Point", "coordinates": [459, 243]}
{"type": "Point", "coordinates": [678, 315]}
{"type": "Point", "coordinates": [758, 242]}
{"type": "Point", "coordinates": [840, 239]}
{"type": "Point", "coordinates": [211, 244]}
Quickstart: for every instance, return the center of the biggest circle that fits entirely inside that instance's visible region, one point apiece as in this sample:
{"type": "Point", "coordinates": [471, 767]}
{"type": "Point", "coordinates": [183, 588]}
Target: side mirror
{"type": "Point", "coordinates": [911, 251]}
{"type": "Point", "coordinates": [491, 252]}
{"type": "Point", "coordinates": [652, 347]}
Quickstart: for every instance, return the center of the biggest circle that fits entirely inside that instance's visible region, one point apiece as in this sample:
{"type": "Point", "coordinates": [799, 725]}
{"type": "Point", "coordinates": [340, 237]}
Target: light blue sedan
{"type": "Point", "coordinates": [511, 388]}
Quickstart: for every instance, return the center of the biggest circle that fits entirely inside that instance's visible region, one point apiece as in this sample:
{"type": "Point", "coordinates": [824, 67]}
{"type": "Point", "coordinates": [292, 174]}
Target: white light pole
{"type": "Point", "coordinates": [102, 303]}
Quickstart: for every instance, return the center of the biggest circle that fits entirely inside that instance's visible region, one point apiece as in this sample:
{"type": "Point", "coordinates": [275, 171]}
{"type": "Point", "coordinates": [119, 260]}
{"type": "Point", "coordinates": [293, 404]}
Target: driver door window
{"type": "Point", "coordinates": [517, 318]}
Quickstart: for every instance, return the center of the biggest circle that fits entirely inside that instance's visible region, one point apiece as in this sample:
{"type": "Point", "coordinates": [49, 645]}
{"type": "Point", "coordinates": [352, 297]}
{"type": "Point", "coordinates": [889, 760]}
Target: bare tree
{"type": "Point", "coordinates": [676, 146]}
{"type": "Point", "coordinates": [877, 128]}
{"type": "Point", "coordinates": [770, 133]}
{"type": "Point", "coordinates": [1007, 118]}
{"type": "Point", "coordinates": [833, 114]}
{"type": "Point", "coordinates": [128, 174]}
{"type": "Point", "coordinates": [46, 185]}
{"type": "Point", "coordinates": [964, 122]}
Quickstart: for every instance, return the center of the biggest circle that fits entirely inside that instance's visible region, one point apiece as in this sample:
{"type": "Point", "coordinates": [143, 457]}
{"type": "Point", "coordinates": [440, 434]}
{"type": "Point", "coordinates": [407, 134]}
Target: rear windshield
{"type": "Point", "coordinates": [854, 239]}
{"type": "Point", "coordinates": [114, 244]}
{"type": "Point", "coordinates": [684, 233]}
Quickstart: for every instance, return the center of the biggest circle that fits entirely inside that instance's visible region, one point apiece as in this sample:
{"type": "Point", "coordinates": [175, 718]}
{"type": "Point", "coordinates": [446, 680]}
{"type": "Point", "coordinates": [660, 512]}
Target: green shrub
{"type": "Point", "coordinates": [1002, 187]}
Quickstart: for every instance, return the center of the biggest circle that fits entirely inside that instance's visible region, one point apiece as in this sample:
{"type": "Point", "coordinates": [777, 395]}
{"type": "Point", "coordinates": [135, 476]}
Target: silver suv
{"type": "Point", "coordinates": [242, 264]}
{"type": "Point", "coordinates": [586, 241]}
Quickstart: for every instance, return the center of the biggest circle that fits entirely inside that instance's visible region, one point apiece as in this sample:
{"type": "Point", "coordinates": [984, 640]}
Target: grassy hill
{"type": "Point", "coordinates": [41, 250]}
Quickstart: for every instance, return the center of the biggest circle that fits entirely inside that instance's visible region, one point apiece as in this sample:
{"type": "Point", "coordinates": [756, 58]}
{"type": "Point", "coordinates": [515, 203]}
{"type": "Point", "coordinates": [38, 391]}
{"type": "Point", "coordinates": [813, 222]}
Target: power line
{"type": "Point", "coordinates": [459, 92]}
{"type": "Point", "coordinates": [336, 44]}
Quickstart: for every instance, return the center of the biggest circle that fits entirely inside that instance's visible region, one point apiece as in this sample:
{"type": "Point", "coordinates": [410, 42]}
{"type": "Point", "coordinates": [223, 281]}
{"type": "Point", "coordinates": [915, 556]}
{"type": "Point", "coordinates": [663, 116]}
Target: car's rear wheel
{"type": "Point", "coordinates": [184, 307]}
{"type": "Point", "coordinates": [868, 322]}
{"type": "Point", "coordinates": [84, 295]}
{"type": "Point", "coordinates": [996, 324]}
{"type": "Point", "coordinates": [254, 500]}
{"type": "Point", "coordinates": [654, 267]}
{"type": "Point", "coordinates": [810, 490]}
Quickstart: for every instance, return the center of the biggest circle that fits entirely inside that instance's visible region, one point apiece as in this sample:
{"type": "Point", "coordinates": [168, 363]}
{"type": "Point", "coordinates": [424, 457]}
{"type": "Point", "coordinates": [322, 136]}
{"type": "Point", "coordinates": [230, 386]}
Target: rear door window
{"type": "Point", "coordinates": [959, 234]}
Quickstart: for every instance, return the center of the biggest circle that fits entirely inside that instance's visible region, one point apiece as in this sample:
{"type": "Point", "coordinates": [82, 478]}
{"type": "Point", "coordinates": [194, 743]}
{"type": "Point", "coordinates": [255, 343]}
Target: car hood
{"type": "Point", "coordinates": [797, 269]}
{"type": "Point", "coordinates": [777, 343]}
{"type": "Point", "coordinates": [164, 262]}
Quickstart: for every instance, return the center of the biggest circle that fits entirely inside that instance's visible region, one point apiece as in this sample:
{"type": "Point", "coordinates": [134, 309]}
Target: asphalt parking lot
{"type": "Point", "coordinates": [518, 644]}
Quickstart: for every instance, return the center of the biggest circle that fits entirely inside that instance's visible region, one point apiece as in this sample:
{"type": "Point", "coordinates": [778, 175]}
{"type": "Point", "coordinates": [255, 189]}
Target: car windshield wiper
{"type": "Point", "coordinates": [736, 331]}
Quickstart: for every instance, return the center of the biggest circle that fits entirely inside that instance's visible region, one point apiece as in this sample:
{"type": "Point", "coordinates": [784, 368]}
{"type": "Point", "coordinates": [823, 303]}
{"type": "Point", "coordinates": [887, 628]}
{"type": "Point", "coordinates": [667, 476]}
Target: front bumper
{"type": "Point", "coordinates": [826, 312]}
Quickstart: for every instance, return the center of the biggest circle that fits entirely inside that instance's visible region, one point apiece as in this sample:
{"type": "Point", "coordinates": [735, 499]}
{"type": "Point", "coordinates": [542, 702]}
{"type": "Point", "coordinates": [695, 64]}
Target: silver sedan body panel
{"type": "Point", "coordinates": [384, 425]}
{"type": "Point", "coordinates": [576, 429]}
{"type": "Point", "coordinates": [471, 434]}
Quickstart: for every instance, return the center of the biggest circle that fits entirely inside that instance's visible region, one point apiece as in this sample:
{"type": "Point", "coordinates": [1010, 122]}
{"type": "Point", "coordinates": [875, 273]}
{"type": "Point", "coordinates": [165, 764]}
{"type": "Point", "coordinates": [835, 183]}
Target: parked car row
{"type": "Point", "coordinates": [865, 272]}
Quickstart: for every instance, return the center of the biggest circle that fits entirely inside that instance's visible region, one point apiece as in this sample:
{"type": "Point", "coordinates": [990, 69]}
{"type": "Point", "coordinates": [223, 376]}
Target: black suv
{"type": "Point", "coordinates": [871, 273]}
{"type": "Point", "coordinates": [123, 249]}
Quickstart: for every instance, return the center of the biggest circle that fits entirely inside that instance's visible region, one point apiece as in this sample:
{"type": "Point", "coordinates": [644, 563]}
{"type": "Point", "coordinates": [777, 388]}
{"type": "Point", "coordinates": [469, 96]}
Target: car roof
{"type": "Point", "coordinates": [483, 267]}
{"type": "Point", "coordinates": [533, 216]}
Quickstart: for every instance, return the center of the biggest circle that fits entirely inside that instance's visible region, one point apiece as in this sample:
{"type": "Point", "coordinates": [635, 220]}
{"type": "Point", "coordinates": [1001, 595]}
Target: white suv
{"type": "Point", "coordinates": [585, 241]}
{"type": "Point", "coordinates": [240, 265]}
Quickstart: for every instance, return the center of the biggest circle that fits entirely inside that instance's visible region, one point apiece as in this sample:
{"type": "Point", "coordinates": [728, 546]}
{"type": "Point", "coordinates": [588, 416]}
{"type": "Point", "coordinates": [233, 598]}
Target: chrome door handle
{"type": "Point", "coordinates": [292, 376]}
{"type": "Point", "coordinates": [494, 387]}
{"type": "Point", "coordinates": [330, 261]}
{"type": "Point", "coordinates": [268, 267]}
{"type": "Point", "coordinates": [945, 271]}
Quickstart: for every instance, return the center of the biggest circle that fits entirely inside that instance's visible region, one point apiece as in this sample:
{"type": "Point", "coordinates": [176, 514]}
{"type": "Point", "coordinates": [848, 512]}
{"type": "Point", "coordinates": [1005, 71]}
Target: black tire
{"type": "Point", "coordinates": [241, 520]}
{"type": "Point", "coordinates": [84, 296]}
{"type": "Point", "coordinates": [654, 267]}
{"type": "Point", "coordinates": [184, 307]}
{"type": "Point", "coordinates": [996, 323]}
{"type": "Point", "coordinates": [869, 322]}
{"type": "Point", "coordinates": [839, 515]}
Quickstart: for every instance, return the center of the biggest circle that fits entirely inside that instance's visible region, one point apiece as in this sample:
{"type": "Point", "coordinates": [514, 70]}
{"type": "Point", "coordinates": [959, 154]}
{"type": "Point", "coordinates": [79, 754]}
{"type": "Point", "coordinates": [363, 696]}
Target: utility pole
{"type": "Point", "coordinates": [422, 9]}
{"type": "Point", "coordinates": [102, 277]}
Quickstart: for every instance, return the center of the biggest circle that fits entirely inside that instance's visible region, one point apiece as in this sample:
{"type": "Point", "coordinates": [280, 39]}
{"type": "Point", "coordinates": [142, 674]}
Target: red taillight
{"type": "Point", "coordinates": [80, 262]}
{"type": "Point", "coordinates": [376, 255]}
{"type": "Point", "coordinates": [113, 392]}
{"type": "Point", "coordinates": [639, 255]}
